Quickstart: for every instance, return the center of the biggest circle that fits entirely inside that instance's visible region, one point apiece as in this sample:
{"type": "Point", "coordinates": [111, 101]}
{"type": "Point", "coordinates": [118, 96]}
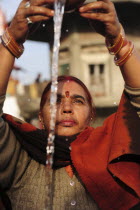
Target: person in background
{"type": "Point", "coordinates": [37, 79]}
{"type": "Point", "coordinates": [93, 168]}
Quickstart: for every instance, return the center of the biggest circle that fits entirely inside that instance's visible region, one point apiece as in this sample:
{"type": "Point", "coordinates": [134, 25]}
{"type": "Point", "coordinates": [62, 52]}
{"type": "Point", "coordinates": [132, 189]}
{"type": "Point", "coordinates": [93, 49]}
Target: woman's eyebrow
{"type": "Point", "coordinates": [59, 95]}
{"type": "Point", "coordinates": [78, 96]}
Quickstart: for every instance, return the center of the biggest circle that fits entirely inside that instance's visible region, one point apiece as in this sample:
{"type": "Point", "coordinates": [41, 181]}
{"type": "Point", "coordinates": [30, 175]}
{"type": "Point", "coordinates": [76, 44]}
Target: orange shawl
{"type": "Point", "coordinates": [108, 159]}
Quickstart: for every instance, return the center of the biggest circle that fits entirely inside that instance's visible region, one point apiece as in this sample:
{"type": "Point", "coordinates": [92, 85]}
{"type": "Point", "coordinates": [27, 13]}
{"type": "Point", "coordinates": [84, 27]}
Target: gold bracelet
{"type": "Point", "coordinates": [13, 47]}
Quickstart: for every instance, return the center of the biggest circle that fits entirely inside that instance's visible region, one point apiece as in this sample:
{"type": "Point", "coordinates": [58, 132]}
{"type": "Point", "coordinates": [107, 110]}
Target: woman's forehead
{"type": "Point", "coordinates": [70, 87]}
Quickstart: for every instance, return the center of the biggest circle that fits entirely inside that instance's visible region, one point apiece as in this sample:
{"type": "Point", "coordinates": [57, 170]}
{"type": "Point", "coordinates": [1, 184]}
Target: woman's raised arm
{"type": "Point", "coordinates": [28, 13]}
{"type": "Point", "coordinates": [103, 17]}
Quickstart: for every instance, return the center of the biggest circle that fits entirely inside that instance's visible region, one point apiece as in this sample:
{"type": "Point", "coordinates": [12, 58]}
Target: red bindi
{"type": "Point", "coordinates": [67, 94]}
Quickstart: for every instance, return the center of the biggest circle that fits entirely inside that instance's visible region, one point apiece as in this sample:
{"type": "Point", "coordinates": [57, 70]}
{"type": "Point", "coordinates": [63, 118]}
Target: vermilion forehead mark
{"type": "Point", "coordinates": [67, 94]}
{"type": "Point", "coordinates": [68, 81]}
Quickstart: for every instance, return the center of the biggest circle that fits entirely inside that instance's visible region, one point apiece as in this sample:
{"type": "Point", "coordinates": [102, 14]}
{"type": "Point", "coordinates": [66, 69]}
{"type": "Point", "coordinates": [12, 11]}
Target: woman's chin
{"type": "Point", "coordinates": [67, 131]}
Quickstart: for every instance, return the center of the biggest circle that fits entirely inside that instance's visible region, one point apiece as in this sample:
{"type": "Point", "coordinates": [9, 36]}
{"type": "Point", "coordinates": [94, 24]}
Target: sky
{"type": "Point", "coordinates": [9, 7]}
{"type": "Point", "coordinates": [36, 58]}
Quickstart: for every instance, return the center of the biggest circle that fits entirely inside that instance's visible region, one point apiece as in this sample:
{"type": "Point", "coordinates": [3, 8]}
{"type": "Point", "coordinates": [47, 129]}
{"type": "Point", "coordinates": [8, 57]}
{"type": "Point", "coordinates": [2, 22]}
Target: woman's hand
{"type": "Point", "coordinates": [103, 17]}
{"type": "Point", "coordinates": [35, 11]}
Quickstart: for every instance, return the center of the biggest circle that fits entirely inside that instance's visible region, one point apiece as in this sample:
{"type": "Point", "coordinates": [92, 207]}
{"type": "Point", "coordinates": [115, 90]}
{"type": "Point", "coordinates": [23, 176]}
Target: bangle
{"type": "Point", "coordinates": [9, 42]}
{"type": "Point", "coordinates": [125, 57]}
{"type": "Point", "coordinates": [118, 45]}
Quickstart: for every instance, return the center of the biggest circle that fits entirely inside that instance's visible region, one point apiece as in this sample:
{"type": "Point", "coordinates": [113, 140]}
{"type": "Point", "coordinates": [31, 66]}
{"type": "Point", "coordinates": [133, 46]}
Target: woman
{"type": "Point", "coordinates": [93, 168]}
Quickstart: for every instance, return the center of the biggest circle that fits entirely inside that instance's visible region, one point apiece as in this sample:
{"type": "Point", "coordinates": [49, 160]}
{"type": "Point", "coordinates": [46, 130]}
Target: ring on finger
{"type": "Point", "coordinates": [27, 4]}
{"type": "Point", "coordinates": [29, 21]}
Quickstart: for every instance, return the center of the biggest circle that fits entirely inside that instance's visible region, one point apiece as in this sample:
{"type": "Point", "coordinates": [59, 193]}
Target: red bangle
{"type": "Point", "coordinates": [126, 56]}
{"type": "Point", "coordinates": [118, 45]}
{"type": "Point", "coordinates": [13, 47]}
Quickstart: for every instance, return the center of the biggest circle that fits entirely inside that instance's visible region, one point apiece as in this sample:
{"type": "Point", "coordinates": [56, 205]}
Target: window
{"type": "Point", "coordinates": [97, 81]}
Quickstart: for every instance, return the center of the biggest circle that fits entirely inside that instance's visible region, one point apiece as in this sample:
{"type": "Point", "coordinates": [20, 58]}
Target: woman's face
{"type": "Point", "coordinates": [73, 111]}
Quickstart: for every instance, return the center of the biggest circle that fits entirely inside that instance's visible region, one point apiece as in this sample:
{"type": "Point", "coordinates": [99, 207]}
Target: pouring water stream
{"type": "Point", "coordinates": [59, 6]}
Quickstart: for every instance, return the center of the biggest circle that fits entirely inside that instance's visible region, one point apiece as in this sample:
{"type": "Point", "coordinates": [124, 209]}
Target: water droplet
{"type": "Point", "coordinates": [43, 25]}
{"type": "Point", "coordinates": [69, 148]}
{"type": "Point", "coordinates": [67, 30]}
{"type": "Point", "coordinates": [66, 139]}
{"type": "Point", "coordinates": [72, 183]}
{"type": "Point", "coordinates": [73, 203]}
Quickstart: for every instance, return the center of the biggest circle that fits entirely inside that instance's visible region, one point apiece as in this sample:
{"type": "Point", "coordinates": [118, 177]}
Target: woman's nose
{"type": "Point", "coordinates": [67, 107]}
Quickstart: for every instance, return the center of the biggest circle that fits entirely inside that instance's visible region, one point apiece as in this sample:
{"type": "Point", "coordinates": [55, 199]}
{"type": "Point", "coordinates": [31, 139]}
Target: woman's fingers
{"type": "Point", "coordinates": [35, 19]}
{"type": "Point", "coordinates": [35, 10]}
{"type": "Point", "coordinates": [37, 2]}
{"type": "Point", "coordinates": [41, 2]}
{"type": "Point", "coordinates": [93, 7]}
{"type": "Point", "coordinates": [102, 15]}
{"type": "Point", "coordinates": [27, 13]}
{"type": "Point", "coordinates": [99, 11]}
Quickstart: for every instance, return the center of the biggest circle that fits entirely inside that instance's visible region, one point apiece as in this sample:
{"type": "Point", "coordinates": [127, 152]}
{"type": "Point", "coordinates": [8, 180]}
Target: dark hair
{"type": "Point", "coordinates": [70, 78]}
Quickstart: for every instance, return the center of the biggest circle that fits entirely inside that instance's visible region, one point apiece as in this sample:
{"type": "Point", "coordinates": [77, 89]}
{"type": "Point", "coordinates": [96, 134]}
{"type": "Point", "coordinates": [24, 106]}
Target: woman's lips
{"type": "Point", "coordinates": [67, 123]}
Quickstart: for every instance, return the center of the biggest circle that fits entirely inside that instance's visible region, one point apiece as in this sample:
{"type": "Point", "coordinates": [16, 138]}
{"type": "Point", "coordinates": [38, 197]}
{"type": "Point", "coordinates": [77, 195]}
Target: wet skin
{"type": "Point", "coordinates": [73, 111]}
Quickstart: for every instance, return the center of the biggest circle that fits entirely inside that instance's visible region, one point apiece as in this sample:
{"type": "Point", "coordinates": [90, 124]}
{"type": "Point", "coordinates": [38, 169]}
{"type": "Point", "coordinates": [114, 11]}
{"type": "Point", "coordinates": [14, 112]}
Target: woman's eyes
{"type": "Point", "coordinates": [74, 101]}
{"type": "Point", "coordinates": [78, 101]}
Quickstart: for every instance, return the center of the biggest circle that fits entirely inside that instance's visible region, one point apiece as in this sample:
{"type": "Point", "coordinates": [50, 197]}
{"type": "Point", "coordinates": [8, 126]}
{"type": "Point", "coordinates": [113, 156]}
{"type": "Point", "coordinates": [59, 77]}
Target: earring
{"type": "Point", "coordinates": [43, 126]}
{"type": "Point", "coordinates": [42, 123]}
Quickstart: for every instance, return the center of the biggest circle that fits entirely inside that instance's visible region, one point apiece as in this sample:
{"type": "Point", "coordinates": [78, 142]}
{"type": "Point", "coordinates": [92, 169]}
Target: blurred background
{"type": "Point", "coordinates": [82, 54]}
